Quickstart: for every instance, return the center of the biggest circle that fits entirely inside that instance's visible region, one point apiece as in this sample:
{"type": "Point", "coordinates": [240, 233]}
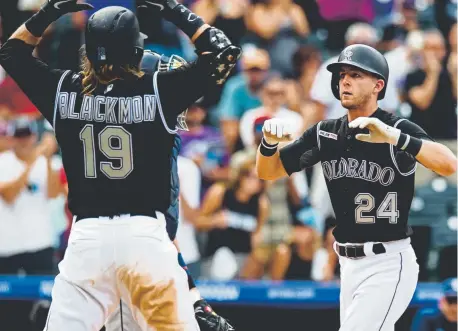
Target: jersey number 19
{"type": "Point", "coordinates": [121, 152]}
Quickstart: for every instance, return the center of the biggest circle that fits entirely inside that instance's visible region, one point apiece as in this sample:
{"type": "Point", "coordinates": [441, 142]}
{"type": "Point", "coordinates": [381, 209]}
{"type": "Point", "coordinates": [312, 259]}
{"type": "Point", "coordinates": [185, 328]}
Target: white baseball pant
{"type": "Point", "coordinates": [377, 289]}
{"type": "Point", "coordinates": [128, 257]}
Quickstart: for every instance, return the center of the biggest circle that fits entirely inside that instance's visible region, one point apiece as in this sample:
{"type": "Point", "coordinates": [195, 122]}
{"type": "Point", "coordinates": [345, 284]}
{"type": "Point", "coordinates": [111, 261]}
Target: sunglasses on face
{"type": "Point", "coordinates": [275, 93]}
{"type": "Point", "coordinates": [450, 300]}
{"type": "Point", "coordinates": [255, 69]}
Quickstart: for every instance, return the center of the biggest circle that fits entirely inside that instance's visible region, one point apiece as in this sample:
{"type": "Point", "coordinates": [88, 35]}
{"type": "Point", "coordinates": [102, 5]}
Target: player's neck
{"type": "Point", "coordinates": [361, 112]}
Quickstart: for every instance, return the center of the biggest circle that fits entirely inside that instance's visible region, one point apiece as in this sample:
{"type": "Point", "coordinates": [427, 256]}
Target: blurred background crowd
{"type": "Point", "coordinates": [233, 225]}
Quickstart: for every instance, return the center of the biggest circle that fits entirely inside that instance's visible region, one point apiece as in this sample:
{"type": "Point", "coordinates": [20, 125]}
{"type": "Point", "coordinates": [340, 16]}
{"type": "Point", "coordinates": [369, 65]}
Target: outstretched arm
{"type": "Point", "coordinates": [412, 139]}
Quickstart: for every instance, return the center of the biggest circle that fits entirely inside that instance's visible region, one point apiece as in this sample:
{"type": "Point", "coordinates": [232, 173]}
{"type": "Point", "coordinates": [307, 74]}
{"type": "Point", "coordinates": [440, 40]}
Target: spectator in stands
{"type": "Point", "coordinates": [27, 236]}
{"type": "Point", "coordinates": [281, 25]}
{"type": "Point", "coordinates": [331, 267]}
{"type": "Point", "coordinates": [431, 90]}
{"type": "Point", "coordinates": [405, 21]}
{"type": "Point", "coordinates": [444, 317]}
{"type": "Point", "coordinates": [234, 214]}
{"type": "Point", "coordinates": [227, 15]}
{"type": "Point", "coordinates": [273, 97]}
{"type": "Point", "coordinates": [190, 184]}
{"type": "Point", "coordinates": [404, 59]}
{"type": "Point", "coordinates": [304, 239]}
{"type": "Point", "coordinates": [341, 15]}
{"type": "Point", "coordinates": [5, 140]}
{"type": "Point", "coordinates": [205, 146]}
{"type": "Point", "coordinates": [240, 93]}
{"type": "Point", "coordinates": [306, 62]}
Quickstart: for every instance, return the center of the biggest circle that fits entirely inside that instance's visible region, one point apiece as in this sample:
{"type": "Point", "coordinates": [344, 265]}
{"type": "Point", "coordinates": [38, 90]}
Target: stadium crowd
{"type": "Point", "coordinates": [232, 224]}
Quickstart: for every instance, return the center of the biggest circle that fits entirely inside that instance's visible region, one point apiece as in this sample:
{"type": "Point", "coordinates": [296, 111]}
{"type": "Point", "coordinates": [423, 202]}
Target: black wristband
{"type": "Point", "coordinates": [409, 144]}
{"type": "Point", "coordinates": [185, 19]}
{"type": "Point", "coordinates": [267, 149]}
{"type": "Point", "coordinates": [38, 23]}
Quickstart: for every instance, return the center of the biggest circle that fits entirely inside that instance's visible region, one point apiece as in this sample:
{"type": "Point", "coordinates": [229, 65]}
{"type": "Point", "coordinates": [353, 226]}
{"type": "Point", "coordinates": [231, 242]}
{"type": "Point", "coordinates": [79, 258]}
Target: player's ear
{"type": "Point", "coordinates": [379, 85]}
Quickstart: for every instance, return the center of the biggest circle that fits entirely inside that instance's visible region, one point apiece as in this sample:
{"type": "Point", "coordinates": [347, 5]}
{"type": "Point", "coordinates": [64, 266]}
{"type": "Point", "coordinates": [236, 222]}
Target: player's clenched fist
{"type": "Point", "coordinates": [277, 130]}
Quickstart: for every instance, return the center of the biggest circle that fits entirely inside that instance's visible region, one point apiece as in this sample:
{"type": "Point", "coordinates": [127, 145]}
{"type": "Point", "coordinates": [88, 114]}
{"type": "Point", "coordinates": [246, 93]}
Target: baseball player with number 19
{"type": "Point", "coordinates": [115, 124]}
{"type": "Point", "coordinates": [369, 159]}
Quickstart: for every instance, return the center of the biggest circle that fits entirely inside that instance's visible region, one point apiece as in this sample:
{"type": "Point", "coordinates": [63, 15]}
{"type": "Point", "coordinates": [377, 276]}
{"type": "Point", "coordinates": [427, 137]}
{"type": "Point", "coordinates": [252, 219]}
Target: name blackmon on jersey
{"type": "Point", "coordinates": [112, 110]}
{"type": "Point", "coordinates": [370, 171]}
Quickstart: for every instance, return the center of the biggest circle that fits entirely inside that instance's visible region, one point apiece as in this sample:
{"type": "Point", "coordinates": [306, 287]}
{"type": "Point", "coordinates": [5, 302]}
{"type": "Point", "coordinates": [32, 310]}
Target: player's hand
{"type": "Point", "coordinates": [276, 130]}
{"type": "Point", "coordinates": [379, 132]}
{"type": "Point", "coordinates": [208, 320]}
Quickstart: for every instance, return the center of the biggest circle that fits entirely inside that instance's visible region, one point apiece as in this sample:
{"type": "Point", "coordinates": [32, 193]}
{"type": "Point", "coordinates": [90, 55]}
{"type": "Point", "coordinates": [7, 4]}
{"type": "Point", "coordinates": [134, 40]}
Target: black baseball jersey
{"type": "Point", "coordinates": [371, 185]}
{"type": "Point", "coordinates": [117, 141]}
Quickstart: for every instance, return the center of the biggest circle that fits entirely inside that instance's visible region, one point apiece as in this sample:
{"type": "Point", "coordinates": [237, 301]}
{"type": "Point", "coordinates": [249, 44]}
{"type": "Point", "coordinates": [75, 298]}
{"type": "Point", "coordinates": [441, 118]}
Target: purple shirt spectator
{"type": "Point", "coordinates": [206, 145]}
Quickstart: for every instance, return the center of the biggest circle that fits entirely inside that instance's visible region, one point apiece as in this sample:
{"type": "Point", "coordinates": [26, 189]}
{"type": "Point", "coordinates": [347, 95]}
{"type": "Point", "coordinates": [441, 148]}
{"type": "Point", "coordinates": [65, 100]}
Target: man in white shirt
{"type": "Point", "coordinates": [190, 182]}
{"type": "Point", "coordinates": [273, 95]}
{"type": "Point", "coordinates": [27, 182]}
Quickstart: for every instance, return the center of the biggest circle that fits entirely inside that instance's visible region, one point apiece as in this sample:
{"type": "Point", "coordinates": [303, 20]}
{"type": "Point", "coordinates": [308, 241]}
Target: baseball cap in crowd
{"type": "Point", "coordinates": [449, 289]}
{"type": "Point", "coordinates": [259, 123]}
{"type": "Point", "coordinates": [22, 127]}
{"type": "Point", "coordinates": [255, 58]}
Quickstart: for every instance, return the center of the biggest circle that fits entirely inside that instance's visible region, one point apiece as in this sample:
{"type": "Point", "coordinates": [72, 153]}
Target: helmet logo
{"type": "Point", "coordinates": [348, 54]}
{"type": "Point", "coordinates": [101, 54]}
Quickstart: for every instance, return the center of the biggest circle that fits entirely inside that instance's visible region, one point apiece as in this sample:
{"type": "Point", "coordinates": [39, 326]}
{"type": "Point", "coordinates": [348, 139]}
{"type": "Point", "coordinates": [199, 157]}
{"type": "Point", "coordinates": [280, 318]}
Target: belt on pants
{"type": "Point", "coordinates": [357, 251]}
{"type": "Point", "coordinates": [148, 214]}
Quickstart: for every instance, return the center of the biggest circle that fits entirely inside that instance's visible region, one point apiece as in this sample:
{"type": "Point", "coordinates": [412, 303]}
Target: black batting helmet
{"type": "Point", "coordinates": [113, 37]}
{"type": "Point", "coordinates": [363, 57]}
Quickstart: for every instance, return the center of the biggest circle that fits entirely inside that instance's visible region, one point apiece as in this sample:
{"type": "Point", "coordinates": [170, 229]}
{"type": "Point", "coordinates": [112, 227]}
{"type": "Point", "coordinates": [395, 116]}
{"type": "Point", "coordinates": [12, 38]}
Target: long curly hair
{"type": "Point", "coordinates": [106, 73]}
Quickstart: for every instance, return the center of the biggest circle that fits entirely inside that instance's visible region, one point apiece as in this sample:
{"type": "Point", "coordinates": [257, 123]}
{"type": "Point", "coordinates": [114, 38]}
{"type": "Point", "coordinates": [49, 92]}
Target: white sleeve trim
{"type": "Point", "coordinates": [56, 103]}
{"type": "Point", "coordinates": [394, 159]}
{"type": "Point", "coordinates": [318, 135]}
{"type": "Point", "coordinates": [159, 105]}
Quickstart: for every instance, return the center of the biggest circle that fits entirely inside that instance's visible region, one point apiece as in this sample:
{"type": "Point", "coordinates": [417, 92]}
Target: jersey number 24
{"type": "Point", "coordinates": [121, 152]}
{"type": "Point", "coordinates": [387, 209]}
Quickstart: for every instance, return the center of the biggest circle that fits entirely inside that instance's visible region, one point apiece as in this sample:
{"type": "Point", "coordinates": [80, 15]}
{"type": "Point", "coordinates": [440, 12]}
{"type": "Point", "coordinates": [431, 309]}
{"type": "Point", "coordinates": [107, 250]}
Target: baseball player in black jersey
{"type": "Point", "coordinates": [368, 158]}
{"type": "Point", "coordinates": [115, 124]}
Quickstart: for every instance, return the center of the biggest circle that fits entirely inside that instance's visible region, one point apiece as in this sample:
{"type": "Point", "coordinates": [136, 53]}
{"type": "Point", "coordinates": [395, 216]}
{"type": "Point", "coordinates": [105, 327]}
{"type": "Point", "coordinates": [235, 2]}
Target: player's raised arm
{"type": "Point", "coordinates": [412, 139]}
{"type": "Point", "coordinates": [33, 76]}
{"type": "Point", "coordinates": [272, 163]}
{"type": "Point", "coordinates": [216, 57]}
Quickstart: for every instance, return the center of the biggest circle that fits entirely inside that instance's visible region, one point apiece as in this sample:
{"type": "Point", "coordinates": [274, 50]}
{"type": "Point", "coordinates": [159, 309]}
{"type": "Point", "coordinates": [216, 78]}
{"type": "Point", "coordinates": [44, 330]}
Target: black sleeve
{"type": "Point", "coordinates": [33, 76]}
{"type": "Point", "coordinates": [179, 88]}
{"type": "Point", "coordinates": [413, 130]}
{"type": "Point", "coordinates": [302, 153]}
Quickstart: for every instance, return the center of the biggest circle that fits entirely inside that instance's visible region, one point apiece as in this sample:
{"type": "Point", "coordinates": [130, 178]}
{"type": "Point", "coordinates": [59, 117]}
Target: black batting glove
{"type": "Point", "coordinates": [50, 12]}
{"type": "Point", "coordinates": [225, 55]}
{"type": "Point", "coordinates": [208, 320]}
{"type": "Point", "coordinates": [173, 12]}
